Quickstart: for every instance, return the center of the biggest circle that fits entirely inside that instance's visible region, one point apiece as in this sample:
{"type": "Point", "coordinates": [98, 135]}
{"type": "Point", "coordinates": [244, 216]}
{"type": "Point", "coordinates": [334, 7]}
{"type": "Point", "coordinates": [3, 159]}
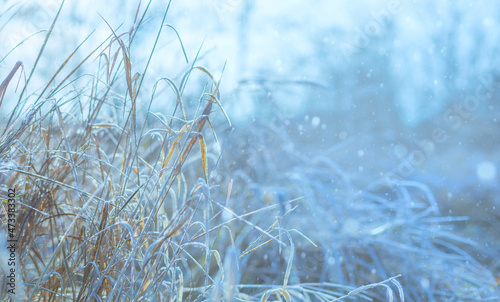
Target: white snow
{"type": "Point", "coordinates": [315, 121]}
{"type": "Point", "coordinates": [486, 171]}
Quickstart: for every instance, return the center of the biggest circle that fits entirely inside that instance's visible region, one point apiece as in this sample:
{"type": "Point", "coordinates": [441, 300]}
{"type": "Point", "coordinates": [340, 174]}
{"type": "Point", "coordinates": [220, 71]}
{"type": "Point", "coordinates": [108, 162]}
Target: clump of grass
{"type": "Point", "coordinates": [115, 201]}
{"type": "Point", "coordinates": [361, 234]}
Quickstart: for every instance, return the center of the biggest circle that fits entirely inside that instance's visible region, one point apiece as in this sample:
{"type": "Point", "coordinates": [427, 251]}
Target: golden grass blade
{"type": "Point", "coordinates": [45, 138]}
{"type": "Point", "coordinates": [265, 296]}
{"type": "Point", "coordinates": [126, 62]}
{"type": "Point", "coordinates": [124, 158]}
{"type": "Point", "coordinates": [207, 73]}
{"type": "Point", "coordinates": [142, 160]}
{"type": "Point", "coordinates": [229, 189]}
{"type": "Point", "coordinates": [213, 133]}
{"type": "Point", "coordinates": [285, 295]}
{"type": "Point", "coordinates": [144, 288]}
{"type": "Point", "coordinates": [219, 262]}
{"type": "Point", "coordinates": [136, 77]}
{"type": "Point", "coordinates": [106, 125]}
{"type": "Point", "coordinates": [132, 30]}
{"type": "Point", "coordinates": [215, 100]}
{"type": "Point", "coordinates": [203, 150]}
{"type": "Point", "coordinates": [181, 287]}
{"type": "Point", "coordinates": [187, 150]}
{"type": "Point", "coordinates": [128, 71]}
{"type": "Point", "coordinates": [175, 230]}
{"type": "Point", "coordinates": [170, 152]}
{"type": "Point", "coordinates": [248, 251]}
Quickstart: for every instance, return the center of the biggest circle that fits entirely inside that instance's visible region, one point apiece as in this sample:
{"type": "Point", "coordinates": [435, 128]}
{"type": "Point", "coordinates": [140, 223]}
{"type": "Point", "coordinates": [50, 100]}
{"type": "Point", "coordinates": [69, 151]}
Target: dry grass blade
{"type": "Point", "coordinates": [255, 227]}
{"type": "Point", "coordinates": [68, 148]}
{"type": "Point", "coordinates": [265, 296]}
{"type": "Point", "coordinates": [55, 253]}
{"type": "Point", "coordinates": [126, 62]}
{"type": "Point", "coordinates": [251, 246]}
{"type": "Point", "coordinates": [36, 62]}
{"type": "Point", "coordinates": [193, 134]}
{"type": "Point", "coordinates": [50, 180]}
{"type": "Point", "coordinates": [203, 150]}
{"type": "Point", "coordinates": [268, 208]}
{"type": "Point", "coordinates": [6, 81]}
{"type": "Point", "coordinates": [373, 285]}
{"type": "Point", "coordinates": [20, 43]}
{"type": "Point", "coordinates": [130, 198]}
{"type": "Point", "coordinates": [61, 68]}
{"type": "Point", "coordinates": [290, 262]}
{"type": "Point", "coordinates": [232, 274]}
{"type": "Point", "coordinates": [78, 67]}
{"type": "Point", "coordinates": [215, 100]}
{"type": "Point", "coordinates": [178, 95]}
{"type": "Point", "coordinates": [180, 41]}
{"type": "Point", "coordinates": [181, 288]}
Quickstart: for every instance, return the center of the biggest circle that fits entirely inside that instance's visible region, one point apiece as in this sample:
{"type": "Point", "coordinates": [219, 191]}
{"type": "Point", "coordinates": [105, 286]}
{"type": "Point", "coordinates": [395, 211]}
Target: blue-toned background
{"type": "Point", "coordinates": [407, 90]}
